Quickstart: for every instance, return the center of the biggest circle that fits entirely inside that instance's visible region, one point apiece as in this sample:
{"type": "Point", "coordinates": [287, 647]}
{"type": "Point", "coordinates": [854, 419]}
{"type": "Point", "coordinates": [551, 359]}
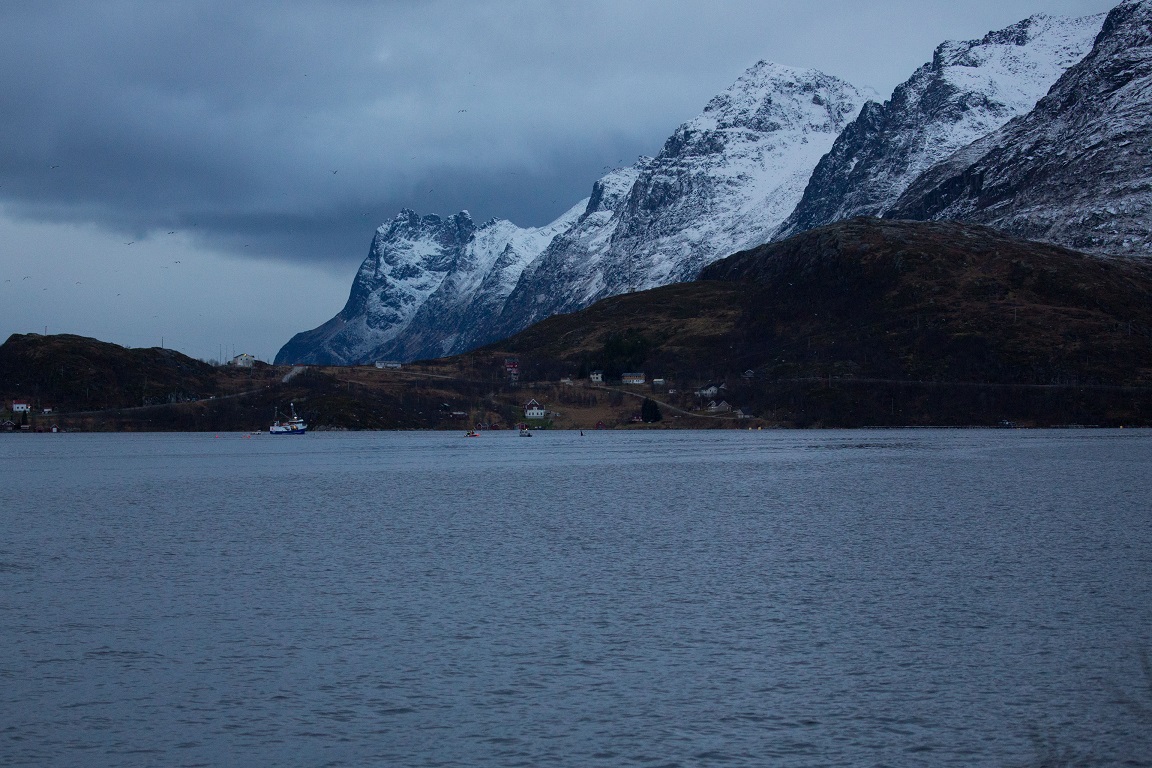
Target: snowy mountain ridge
{"type": "Point", "coordinates": [1077, 169]}
{"type": "Point", "coordinates": [969, 89]}
{"type": "Point", "coordinates": [780, 151]}
{"type": "Point", "coordinates": [722, 181]}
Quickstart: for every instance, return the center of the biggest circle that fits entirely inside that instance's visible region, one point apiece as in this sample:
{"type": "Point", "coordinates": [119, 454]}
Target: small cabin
{"type": "Point", "coordinates": [533, 410]}
{"type": "Point", "coordinates": [632, 378]}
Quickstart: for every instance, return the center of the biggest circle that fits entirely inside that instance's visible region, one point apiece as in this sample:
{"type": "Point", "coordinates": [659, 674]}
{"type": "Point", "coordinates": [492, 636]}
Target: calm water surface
{"type": "Point", "coordinates": [860, 598]}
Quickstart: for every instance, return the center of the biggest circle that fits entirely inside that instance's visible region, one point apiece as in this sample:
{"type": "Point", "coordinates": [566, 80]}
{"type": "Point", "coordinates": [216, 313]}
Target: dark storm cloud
{"type": "Point", "coordinates": [291, 130]}
{"type": "Point", "coordinates": [281, 125]}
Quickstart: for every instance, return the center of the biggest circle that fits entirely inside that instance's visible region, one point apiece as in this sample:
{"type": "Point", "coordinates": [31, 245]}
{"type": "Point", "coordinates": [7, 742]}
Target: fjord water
{"type": "Point", "coordinates": [660, 598]}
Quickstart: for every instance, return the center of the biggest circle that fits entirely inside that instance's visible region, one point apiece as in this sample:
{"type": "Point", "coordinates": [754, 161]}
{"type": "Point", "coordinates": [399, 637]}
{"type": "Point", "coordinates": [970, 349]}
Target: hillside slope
{"type": "Point", "coordinates": [68, 372]}
{"type": "Point", "coordinates": [872, 298]}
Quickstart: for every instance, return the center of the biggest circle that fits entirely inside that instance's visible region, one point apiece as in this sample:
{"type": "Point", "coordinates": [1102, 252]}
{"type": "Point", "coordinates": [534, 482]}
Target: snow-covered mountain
{"type": "Point", "coordinates": [1077, 169]}
{"type": "Point", "coordinates": [423, 273]}
{"type": "Point", "coordinates": [968, 90]}
{"type": "Point", "coordinates": [722, 182]}
{"type": "Point", "coordinates": [970, 135]}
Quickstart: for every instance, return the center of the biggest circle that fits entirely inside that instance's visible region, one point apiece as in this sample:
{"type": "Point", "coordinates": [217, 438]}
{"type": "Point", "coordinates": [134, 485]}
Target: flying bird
{"type": "Point", "coordinates": [55, 166]}
{"type": "Point", "coordinates": [333, 173]}
{"type": "Point", "coordinates": [26, 277]}
{"type": "Point", "coordinates": [129, 243]}
{"type": "Point", "coordinates": [172, 232]}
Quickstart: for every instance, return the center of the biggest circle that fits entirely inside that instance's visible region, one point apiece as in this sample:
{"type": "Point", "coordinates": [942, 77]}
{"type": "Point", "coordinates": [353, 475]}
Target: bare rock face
{"type": "Point", "coordinates": [1077, 169]}
{"type": "Point", "coordinates": [967, 91]}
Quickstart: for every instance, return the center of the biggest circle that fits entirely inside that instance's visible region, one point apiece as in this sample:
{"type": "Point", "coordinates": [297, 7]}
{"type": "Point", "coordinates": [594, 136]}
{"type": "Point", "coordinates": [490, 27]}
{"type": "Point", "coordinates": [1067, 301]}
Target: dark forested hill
{"type": "Point", "coordinates": [891, 303]}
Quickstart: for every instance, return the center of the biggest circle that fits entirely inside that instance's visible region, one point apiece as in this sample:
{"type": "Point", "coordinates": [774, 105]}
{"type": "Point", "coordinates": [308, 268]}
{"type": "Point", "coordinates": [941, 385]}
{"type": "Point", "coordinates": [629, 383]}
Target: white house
{"type": "Point", "coordinates": [243, 360]}
{"type": "Point", "coordinates": [533, 410]}
{"type": "Point", "coordinates": [20, 406]}
{"type": "Point", "coordinates": [597, 377]}
{"type": "Point", "coordinates": [389, 364]}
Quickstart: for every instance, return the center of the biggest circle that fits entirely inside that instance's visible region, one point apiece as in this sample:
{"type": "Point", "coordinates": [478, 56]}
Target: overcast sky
{"type": "Point", "coordinates": [211, 173]}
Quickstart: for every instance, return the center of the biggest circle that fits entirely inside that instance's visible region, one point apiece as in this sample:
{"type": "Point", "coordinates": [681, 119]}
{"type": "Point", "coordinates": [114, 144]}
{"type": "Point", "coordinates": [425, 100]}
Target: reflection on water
{"type": "Point", "coordinates": [664, 598]}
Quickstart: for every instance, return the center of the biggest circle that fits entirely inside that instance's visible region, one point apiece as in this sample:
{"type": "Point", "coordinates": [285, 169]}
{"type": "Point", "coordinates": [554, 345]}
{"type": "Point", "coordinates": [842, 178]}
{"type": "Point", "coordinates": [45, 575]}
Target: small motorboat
{"type": "Point", "coordinates": [471, 433]}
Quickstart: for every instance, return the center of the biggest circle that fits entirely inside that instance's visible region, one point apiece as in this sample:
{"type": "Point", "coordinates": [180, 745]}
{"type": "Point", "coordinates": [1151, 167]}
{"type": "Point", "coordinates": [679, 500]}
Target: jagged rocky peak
{"type": "Point", "coordinates": [610, 190]}
{"type": "Point", "coordinates": [1076, 170]}
{"type": "Point", "coordinates": [427, 240]}
{"type": "Point", "coordinates": [407, 261]}
{"type": "Point", "coordinates": [771, 97]}
{"type": "Point", "coordinates": [768, 98]}
{"type": "Point", "coordinates": [969, 89]}
{"type": "Point", "coordinates": [1007, 71]}
{"type": "Point", "coordinates": [727, 178]}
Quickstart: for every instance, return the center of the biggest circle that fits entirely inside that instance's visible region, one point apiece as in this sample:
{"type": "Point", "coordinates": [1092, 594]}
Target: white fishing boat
{"type": "Point", "coordinates": [292, 426]}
